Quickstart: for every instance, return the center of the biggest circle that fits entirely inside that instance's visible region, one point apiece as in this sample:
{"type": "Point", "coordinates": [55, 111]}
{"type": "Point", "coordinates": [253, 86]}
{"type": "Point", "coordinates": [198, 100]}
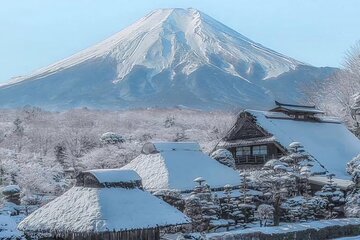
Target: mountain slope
{"type": "Point", "coordinates": [170, 57]}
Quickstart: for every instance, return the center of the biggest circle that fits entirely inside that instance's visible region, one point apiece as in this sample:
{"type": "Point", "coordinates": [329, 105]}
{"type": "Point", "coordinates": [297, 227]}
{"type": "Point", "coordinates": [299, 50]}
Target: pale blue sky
{"type": "Point", "coordinates": [35, 33]}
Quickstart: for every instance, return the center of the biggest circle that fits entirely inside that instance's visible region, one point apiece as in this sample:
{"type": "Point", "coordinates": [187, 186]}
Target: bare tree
{"type": "Point", "coordinates": [336, 95]}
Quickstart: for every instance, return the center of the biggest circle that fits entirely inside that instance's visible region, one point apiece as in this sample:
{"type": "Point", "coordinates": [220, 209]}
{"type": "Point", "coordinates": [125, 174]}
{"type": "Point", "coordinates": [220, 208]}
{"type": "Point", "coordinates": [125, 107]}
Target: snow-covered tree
{"type": "Point", "coordinates": [18, 135]}
{"type": "Point", "coordinates": [180, 136]}
{"type": "Point", "coordinates": [169, 121]}
{"type": "Point", "coordinates": [230, 206]}
{"type": "Point", "coordinates": [224, 156]}
{"type": "Point", "coordinates": [18, 127]}
{"type": "Point", "coordinates": [333, 195]}
{"type": "Point", "coordinates": [302, 208]}
{"type": "Point", "coordinates": [111, 138]}
{"type": "Point", "coordinates": [194, 211]}
{"type": "Point", "coordinates": [11, 194]}
{"type": "Point", "coordinates": [353, 168]}
{"type": "Point", "coordinates": [202, 206]}
{"type": "Point", "coordinates": [355, 106]}
{"type": "Point", "coordinates": [276, 184]}
{"type": "Point", "coordinates": [352, 205]}
{"type": "Point", "coordinates": [246, 204]}
{"type": "Point", "coordinates": [352, 201]}
{"type": "Point", "coordinates": [265, 213]}
{"type": "Point", "coordinates": [173, 197]}
{"type": "Point", "coordinates": [60, 153]}
{"type": "Point", "coordinates": [355, 113]}
{"type": "Point", "coordinates": [300, 163]}
{"type": "Point", "coordinates": [316, 207]}
{"type": "Point", "coordinates": [278, 195]}
{"type": "Point", "coordinates": [336, 95]}
{"type": "Point", "coordinates": [54, 146]}
{"type": "Point", "coordinates": [108, 156]}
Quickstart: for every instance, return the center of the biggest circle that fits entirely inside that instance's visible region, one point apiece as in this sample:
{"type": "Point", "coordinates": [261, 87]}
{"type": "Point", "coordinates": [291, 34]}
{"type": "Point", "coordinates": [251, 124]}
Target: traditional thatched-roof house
{"type": "Point", "coordinates": [259, 136]}
{"type": "Point", "coordinates": [104, 204]}
{"type": "Point", "coordinates": [175, 165]}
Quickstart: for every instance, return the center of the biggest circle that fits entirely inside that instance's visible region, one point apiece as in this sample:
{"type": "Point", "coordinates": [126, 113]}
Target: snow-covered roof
{"type": "Point", "coordinates": [177, 146]}
{"type": "Point", "coordinates": [155, 147]}
{"type": "Point", "coordinates": [302, 109]}
{"type": "Point", "coordinates": [114, 175]}
{"type": "Point", "coordinates": [86, 210]}
{"type": "Point", "coordinates": [331, 143]}
{"type": "Point", "coordinates": [341, 183]}
{"type": "Point", "coordinates": [176, 165]}
{"type": "Point", "coordinates": [246, 142]}
{"type": "Point", "coordinates": [298, 108]}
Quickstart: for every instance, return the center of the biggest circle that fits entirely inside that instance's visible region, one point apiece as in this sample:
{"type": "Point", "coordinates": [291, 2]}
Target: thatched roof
{"type": "Point", "coordinates": [175, 165]}
{"type": "Point", "coordinates": [101, 209]}
{"type": "Point", "coordinates": [114, 175]}
{"type": "Point", "coordinates": [296, 108]}
{"type": "Point", "coordinates": [326, 139]}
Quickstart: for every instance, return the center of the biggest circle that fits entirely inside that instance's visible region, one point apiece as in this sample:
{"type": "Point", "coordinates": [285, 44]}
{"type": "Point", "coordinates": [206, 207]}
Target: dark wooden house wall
{"type": "Point", "coordinates": [85, 179]}
{"type": "Point", "coordinates": [246, 128]}
{"type": "Point", "coordinates": [141, 234]}
{"type": "Point", "coordinates": [273, 152]}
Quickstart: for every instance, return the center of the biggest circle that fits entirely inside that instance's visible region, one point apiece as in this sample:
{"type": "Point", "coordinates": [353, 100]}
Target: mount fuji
{"type": "Point", "coordinates": [169, 58]}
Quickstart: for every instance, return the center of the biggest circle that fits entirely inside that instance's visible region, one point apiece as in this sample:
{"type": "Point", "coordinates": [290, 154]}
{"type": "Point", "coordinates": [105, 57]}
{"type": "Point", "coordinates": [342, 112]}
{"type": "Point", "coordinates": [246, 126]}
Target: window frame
{"type": "Point", "coordinates": [247, 152]}
{"type": "Point", "coordinates": [259, 150]}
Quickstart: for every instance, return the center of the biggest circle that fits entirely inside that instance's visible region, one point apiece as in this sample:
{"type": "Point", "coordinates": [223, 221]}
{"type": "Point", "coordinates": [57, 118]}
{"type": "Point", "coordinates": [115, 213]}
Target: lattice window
{"type": "Point", "coordinates": [243, 151]}
{"type": "Point", "coordinates": [260, 150]}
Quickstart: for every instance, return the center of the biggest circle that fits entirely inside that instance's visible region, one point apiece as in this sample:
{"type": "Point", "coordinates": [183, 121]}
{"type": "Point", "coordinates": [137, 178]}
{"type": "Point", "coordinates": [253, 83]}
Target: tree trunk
{"type": "Point", "coordinates": [277, 211]}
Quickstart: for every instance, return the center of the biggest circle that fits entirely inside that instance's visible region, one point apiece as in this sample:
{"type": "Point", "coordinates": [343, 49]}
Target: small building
{"type": "Point", "coordinates": [175, 165]}
{"type": "Point", "coordinates": [259, 136]}
{"type": "Point", "coordinates": [104, 204]}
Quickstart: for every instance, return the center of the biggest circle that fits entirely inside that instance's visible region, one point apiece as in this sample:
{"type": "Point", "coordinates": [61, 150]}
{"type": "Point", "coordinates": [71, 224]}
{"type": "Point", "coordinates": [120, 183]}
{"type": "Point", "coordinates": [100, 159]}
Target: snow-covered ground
{"type": "Point", "coordinates": [8, 227]}
{"type": "Point", "coordinates": [288, 227]}
{"type": "Point", "coordinates": [348, 238]}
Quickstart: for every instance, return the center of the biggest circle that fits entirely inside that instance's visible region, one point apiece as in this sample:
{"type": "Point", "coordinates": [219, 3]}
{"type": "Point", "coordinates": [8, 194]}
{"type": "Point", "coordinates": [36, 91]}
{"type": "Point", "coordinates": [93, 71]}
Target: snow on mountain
{"type": "Point", "coordinates": [169, 57]}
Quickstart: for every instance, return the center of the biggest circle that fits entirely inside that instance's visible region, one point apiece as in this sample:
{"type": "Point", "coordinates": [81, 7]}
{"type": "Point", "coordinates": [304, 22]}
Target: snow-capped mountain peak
{"type": "Point", "coordinates": [167, 38]}
{"type": "Point", "coordinates": [181, 51]}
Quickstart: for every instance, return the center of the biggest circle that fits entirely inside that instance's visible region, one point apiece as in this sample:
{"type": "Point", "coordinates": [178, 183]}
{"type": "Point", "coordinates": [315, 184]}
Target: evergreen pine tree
{"type": "Point", "coordinates": [202, 206]}
{"type": "Point", "coordinates": [300, 163]}
{"type": "Point", "coordinates": [333, 195]}
{"type": "Point", "coordinates": [60, 153]}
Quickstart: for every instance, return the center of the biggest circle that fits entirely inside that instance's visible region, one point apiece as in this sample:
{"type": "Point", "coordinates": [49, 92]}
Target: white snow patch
{"type": "Point", "coordinates": [8, 228]}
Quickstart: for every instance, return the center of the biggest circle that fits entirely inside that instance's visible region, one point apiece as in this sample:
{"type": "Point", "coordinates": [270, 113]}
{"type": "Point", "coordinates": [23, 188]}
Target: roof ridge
{"type": "Point", "coordinates": [293, 105]}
